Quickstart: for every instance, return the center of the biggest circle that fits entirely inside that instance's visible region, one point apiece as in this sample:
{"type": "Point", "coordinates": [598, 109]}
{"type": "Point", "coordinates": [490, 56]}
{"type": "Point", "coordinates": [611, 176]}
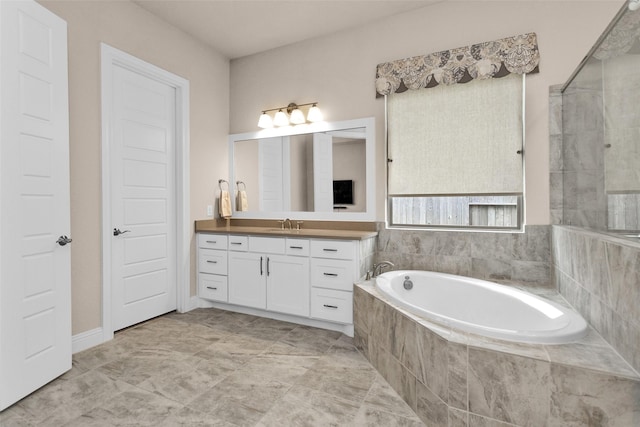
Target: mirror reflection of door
{"type": "Point", "coordinates": [275, 178]}
{"type": "Point", "coordinates": [322, 172]}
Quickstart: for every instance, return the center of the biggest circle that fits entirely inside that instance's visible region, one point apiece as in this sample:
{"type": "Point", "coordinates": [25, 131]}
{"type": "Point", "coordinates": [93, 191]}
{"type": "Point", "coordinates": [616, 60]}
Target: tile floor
{"type": "Point", "coordinates": [212, 367]}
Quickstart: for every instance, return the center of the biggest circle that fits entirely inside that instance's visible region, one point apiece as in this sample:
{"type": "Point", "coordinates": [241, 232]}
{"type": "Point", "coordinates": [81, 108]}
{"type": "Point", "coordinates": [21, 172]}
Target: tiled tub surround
{"type": "Point", "coordinates": [455, 379]}
{"type": "Point", "coordinates": [495, 256]}
{"type": "Point", "coordinates": [599, 275]}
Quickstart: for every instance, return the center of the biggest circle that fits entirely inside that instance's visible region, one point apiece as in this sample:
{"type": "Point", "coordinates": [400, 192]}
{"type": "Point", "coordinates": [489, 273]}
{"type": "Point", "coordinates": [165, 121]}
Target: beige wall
{"type": "Point", "coordinates": [127, 27]}
{"type": "Point", "coordinates": [338, 71]}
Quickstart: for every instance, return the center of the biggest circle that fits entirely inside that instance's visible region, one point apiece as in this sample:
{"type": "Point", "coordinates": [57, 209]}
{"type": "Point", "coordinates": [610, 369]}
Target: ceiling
{"type": "Point", "coordinates": [237, 28]}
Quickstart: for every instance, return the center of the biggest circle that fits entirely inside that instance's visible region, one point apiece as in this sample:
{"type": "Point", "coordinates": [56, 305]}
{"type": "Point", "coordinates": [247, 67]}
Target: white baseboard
{"type": "Point", "coordinates": [194, 302]}
{"type": "Point", "coordinates": [87, 339]}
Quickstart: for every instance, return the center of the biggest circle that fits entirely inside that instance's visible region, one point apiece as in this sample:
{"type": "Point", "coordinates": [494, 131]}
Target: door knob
{"type": "Point", "coordinates": [63, 240]}
{"type": "Point", "coordinates": [117, 232]}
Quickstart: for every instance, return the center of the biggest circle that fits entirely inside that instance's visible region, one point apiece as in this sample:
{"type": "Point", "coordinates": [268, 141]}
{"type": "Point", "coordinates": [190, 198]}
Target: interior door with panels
{"type": "Point", "coordinates": [35, 278]}
{"type": "Point", "coordinates": [142, 197]}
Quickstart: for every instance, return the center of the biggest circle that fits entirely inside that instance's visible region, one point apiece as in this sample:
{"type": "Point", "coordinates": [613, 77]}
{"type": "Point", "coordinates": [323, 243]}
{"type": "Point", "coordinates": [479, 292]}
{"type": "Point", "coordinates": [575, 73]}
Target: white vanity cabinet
{"type": "Point", "coordinates": [267, 277]}
{"type": "Point", "coordinates": [334, 270]}
{"type": "Point", "coordinates": [297, 279]}
{"type": "Point", "coordinates": [212, 267]}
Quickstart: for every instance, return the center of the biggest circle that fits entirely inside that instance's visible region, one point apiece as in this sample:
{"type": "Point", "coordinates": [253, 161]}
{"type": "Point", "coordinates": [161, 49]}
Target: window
{"type": "Point", "coordinates": [455, 155]}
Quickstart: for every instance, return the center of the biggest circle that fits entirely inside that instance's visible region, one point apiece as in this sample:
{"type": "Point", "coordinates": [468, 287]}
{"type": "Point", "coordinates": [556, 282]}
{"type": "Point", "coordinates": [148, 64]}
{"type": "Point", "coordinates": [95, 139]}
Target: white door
{"type": "Point", "coordinates": [143, 193]}
{"type": "Point", "coordinates": [323, 172]}
{"type": "Point", "coordinates": [35, 280]}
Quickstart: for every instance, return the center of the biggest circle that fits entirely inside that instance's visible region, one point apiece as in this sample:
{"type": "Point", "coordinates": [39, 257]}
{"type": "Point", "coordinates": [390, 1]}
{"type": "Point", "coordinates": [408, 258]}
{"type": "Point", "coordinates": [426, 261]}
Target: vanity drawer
{"type": "Point", "coordinates": [239, 243]}
{"type": "Point", "coordinates": [212, 261]}
{"type": "Point", "coordinates": [336, 249]}
{"type": "Point", "coordinates": [212, 241]}
{"type": "Point", "coordinates": [213, 287]}
{"type": "Point", "coordinates": [267, 245]}
{"type": "Point", "coordinates": [332, 274]}
{"type": "Point", "coordinates": [335, 306]}
{"type": "Point", "coordinates": [297, 247]}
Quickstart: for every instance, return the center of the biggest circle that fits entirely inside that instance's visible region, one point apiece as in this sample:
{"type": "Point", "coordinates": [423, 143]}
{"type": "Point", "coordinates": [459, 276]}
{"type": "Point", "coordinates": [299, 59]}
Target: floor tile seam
{"type": "Point", "coordinates": [394, 414]}
{"type": "Point", "coordinates": [275, 403]}
{"type": "Point", "coordinates": [350, 401]}
{"type": "Point", "coordinates": [309, 406]}
{"type": "Point", "coordinates": [177, 401]}
{"type": "Point", "coordinates": [96, 405]}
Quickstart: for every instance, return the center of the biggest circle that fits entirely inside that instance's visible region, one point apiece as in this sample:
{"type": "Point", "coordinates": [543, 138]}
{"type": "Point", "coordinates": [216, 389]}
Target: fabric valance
{"type": "Point", "coordinates": [518, 54]}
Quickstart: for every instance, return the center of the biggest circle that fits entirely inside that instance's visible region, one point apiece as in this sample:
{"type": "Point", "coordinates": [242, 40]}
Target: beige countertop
{"type": "Point", "coordinates": [317, 229]}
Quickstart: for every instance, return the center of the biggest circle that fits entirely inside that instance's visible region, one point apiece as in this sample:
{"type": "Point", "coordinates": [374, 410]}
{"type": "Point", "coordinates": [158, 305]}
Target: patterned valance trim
{"type": "Point", "coordinates": [518, 54]}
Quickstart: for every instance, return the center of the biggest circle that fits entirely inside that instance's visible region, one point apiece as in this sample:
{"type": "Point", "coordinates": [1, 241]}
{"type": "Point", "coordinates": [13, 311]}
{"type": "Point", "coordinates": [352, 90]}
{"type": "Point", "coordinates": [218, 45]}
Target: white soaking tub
{"type": "Point", "coordinates": [481, 307]}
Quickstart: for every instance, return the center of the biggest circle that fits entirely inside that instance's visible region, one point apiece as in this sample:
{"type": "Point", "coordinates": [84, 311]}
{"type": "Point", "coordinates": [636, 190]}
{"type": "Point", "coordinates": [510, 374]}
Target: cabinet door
{"type": "Point", "coordinates": [247, 279]}
{"type": "Point", "coordinates": [288, 284]}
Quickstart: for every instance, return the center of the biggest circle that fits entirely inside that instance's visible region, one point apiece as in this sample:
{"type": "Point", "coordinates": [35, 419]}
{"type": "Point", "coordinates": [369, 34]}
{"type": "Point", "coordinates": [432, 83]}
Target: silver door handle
{"type": "Point", "coordinates": [63, 240]}
{"type": "Point", "coordinates": [117, 232]}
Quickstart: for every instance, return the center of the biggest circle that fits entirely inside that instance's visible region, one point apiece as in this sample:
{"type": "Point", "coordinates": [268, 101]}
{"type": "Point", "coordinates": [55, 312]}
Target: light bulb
{"type": "Point", "coordinates": [265, 121]}
{"type": "Point", "coordinates": [281, 119]}
{"type": "Point", "coordinates": [314, 115]}
{"type": "Point", "coordinates": [297, 117]}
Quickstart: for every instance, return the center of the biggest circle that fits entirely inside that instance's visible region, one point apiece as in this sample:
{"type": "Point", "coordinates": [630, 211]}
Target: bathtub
{"type": "Point", "coordinates": [482, 308]}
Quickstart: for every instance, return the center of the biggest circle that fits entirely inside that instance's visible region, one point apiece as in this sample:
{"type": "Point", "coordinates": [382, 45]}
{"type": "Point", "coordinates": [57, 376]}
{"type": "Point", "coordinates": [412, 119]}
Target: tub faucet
{"type": "Point", "coordinates": [377, 268]}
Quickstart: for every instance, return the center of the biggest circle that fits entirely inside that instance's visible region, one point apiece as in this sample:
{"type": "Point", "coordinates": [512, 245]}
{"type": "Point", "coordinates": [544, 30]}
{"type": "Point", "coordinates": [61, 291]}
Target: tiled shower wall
{"type": "Point", "coordinates": [522, 257]}
{"type": "Point", "coordinates": [600, 276]}
{"type": "Point", "coordinates": [597, 273]}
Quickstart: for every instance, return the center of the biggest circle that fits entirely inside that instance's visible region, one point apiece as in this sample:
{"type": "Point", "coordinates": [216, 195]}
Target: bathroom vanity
{"type": "Point", "coordinates": [303, 276]}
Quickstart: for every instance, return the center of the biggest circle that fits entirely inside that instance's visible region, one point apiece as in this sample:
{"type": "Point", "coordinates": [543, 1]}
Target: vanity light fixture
{"type": "Point", "coordinates": [280, 119]}
{"type": "Point", "coordinates": [293, 115]}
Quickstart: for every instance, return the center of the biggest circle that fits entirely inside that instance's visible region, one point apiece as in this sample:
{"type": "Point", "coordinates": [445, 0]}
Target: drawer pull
{"type": "Point", "coordinates": [212, 262]}
{"type": "Point", "coordinates": [236, 243]}
{"type": "Point", "coordinates": [212, 288]}
{"type": "Point", "coordinates": [330, 306]}
{"type": "Point", "coordinates": [330, 250]}
{"type": "Point", "coordinates": [295, 247]}
{"type": "Point", "coordinates": [331, 274]}
{"type": "Point", "coordinates": [212, 241]}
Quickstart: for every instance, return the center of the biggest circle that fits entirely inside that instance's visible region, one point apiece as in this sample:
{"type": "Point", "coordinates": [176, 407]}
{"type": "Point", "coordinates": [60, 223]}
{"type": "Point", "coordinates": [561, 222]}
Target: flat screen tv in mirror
{"type": "Point", "coordinates": [343, 192]}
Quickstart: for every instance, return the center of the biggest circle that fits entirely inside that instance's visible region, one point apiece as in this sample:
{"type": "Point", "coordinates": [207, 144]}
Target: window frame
{"type": "Point", "coordinates": [521, 197]}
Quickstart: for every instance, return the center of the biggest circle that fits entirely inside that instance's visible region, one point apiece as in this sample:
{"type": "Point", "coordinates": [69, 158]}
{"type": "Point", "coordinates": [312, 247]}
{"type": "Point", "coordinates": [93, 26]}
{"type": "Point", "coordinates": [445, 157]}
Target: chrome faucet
{"type": "Point", "coordinates": [377, 268]}
{"type": "Point", "coordinates": [284, 225]}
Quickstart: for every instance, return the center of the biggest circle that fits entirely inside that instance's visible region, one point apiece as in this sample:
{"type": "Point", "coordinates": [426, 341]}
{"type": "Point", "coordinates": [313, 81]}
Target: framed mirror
{"type": "Point", "coordinates": [320, 171]}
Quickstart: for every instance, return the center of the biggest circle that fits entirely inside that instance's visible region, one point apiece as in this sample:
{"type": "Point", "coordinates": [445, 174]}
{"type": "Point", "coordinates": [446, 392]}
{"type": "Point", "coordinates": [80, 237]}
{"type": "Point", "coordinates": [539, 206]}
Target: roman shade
{"type": "Point", "coordinates": [457, 140]}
